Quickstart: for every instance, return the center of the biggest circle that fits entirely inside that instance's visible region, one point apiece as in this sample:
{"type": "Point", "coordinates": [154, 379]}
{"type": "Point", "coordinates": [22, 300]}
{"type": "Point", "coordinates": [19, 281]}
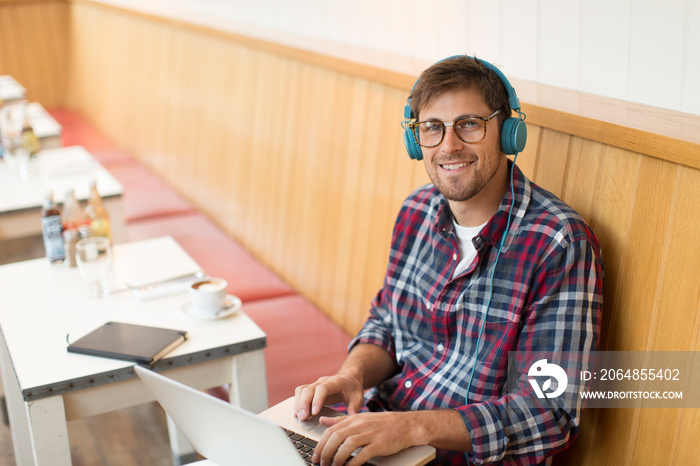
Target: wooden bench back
{"type": "Point", "coordinates": [300, 157]}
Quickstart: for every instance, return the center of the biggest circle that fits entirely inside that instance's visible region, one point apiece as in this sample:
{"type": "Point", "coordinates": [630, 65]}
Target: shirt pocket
{"type": "Point", "coordinates": [487, 338]}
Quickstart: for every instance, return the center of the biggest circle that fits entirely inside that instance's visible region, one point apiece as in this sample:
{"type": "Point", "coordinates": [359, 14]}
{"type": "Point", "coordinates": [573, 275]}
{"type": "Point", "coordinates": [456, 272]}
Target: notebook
{"type": "Point", "coordinates": [228, 435]}
{"type": "Point", "coordinates": [129, 342]}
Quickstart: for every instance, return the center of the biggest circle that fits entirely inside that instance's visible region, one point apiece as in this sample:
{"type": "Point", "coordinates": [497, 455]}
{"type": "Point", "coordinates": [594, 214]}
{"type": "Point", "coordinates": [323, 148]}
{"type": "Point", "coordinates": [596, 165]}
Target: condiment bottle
{"type": "Point", "coordinates": [52, 229]}
{"type": "Point", "coordinates": [72, 215]}
{"type": "Point", "coordinates": [29, 139]}
{"type": "Point", "coordinates": [96, 215]}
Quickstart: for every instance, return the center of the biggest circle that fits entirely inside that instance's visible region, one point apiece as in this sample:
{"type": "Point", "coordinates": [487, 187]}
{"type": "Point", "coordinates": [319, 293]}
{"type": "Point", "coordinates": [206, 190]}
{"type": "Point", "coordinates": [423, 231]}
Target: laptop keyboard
{"type": "Point", "coordinates": [304, 445]}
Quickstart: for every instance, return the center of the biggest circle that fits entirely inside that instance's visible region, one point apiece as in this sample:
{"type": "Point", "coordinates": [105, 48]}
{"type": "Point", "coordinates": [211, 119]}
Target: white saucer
{"type": "Point", "coordinates": [233, 304]}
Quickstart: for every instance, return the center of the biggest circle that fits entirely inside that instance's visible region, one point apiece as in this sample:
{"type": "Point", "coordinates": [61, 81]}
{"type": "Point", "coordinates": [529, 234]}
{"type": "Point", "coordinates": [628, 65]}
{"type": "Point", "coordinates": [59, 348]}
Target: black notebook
{"type": "Point", "coordinates": [130, 342]}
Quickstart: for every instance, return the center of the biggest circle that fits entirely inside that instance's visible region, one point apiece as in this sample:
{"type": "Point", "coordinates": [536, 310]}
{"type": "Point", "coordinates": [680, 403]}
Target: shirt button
{"type": "Point", "coordinates": [454, 256]}
{"type": "Point", "coordinates": [407, 384]}
{"type": "Point", "coordinates": [440, 347]}
{"type": "Point", "coordinates": [427, 304]}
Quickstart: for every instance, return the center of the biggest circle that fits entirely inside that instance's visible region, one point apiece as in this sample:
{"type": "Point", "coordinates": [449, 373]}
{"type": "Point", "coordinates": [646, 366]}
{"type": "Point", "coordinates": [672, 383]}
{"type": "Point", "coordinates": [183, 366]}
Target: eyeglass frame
{"type": "Point", "coordinates": [484, 120]}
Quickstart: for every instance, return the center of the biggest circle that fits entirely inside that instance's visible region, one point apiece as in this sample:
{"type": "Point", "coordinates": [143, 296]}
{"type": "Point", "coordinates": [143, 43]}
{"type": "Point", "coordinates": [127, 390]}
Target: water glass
{"type": "Point", "coordinates": [16, 152]}
{"type": "Point", "coordinates": [94, 258]}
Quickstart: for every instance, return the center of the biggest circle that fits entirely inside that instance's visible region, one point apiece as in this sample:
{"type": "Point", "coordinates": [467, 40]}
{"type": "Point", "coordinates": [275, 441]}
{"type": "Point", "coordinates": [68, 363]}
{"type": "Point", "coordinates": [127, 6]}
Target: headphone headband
{"type": "Point", "coordinates": [513, 130]}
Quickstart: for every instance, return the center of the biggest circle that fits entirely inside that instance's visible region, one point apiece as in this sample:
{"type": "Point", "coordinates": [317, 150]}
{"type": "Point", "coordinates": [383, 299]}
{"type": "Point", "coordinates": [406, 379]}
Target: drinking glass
{"type": "Point", "coordinates": [94, 258]}
{"type": "Point", "coordinates": [16, 152]}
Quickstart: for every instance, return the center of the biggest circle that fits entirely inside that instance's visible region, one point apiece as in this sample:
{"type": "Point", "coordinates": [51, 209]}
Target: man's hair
{"type": "Point", "coordinates": [460, 73]}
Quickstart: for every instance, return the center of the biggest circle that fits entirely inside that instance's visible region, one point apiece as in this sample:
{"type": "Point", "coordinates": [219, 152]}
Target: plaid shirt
{"type": "Point", "coordinates": [546, 297]}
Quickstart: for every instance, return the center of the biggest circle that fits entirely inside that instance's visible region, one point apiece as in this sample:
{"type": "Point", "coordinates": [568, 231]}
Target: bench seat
{"type": "Point", "coordinates": [145, 195]}
{"type": "Point", "coordinates": [302, 343]}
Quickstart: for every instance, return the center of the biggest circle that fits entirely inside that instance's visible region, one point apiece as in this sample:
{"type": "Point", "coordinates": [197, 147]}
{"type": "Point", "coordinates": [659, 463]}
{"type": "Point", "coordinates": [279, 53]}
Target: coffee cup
{"type": "Point", "coordinates": [208, 295]}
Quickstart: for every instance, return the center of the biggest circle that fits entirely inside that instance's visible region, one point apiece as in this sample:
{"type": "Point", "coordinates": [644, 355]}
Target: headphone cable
{"type": "Point", "coordinates": [493, 273]}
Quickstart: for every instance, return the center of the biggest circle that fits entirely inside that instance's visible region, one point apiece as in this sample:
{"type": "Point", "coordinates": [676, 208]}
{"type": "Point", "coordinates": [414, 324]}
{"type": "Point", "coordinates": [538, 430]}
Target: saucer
{"type": "Point", "coordinates": [232, 305]}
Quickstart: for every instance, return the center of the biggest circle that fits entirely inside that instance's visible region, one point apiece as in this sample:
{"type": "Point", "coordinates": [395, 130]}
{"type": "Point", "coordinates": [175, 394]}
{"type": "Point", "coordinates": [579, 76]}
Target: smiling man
{"type": "Point", "coordinates": [483, 263]}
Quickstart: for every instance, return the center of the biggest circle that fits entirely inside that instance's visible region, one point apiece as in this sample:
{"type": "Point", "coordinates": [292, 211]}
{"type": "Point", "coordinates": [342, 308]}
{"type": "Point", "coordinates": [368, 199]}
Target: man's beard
{"type": "Point", "coordinates": [463, 190]}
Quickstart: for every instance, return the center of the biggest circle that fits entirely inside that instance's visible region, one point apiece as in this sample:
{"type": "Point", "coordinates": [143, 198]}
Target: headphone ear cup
{"type": "Point", "coordinates": [513, 136]}
{"type": "Point", "coordinates": [412, 147]}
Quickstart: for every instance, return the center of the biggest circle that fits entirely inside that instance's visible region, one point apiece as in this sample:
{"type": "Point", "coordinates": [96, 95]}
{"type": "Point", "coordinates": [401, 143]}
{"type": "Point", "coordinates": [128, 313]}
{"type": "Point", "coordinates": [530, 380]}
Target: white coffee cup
{"type": "Point", "coordinates": [208, 295]}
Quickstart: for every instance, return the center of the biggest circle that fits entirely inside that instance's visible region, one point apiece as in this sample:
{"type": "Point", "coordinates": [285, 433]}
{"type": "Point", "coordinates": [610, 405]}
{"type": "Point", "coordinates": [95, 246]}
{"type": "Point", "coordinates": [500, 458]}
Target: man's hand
{"type": "Point", "coordinates": [309, 399]}
{"type": "Point", "coordinates": [386, 433]}
{"type": "Point", "coordinates": [366, 366]}
{"type": "Point", "coordinates": [374, 433]}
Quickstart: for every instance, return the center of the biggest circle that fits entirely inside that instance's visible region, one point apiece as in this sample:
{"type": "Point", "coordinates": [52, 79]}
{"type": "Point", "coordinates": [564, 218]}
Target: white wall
{"type": "Point", "coordinates": [645, 51]}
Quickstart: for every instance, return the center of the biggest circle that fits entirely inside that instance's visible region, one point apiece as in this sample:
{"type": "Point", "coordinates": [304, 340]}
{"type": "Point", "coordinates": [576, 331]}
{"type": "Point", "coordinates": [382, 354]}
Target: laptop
{"type": "Point", "coordinates": [228, 435]}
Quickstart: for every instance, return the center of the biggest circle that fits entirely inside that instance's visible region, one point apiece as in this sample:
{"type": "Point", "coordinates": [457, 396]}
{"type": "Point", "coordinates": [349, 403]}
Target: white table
{"type": "Point", "coordinates": [56, 170]}
{"type": "Point", "coordinates": [10, 89]}
{"type": "Point", "coordinates": [46, 386]}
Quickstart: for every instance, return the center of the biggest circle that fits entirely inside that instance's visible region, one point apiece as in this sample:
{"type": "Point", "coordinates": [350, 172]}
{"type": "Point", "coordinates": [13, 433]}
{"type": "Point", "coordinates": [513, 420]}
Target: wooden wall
{"type": "Point", "coordinates": [34, 47]}
{"type": "Point", "coordinates": [300, 157]}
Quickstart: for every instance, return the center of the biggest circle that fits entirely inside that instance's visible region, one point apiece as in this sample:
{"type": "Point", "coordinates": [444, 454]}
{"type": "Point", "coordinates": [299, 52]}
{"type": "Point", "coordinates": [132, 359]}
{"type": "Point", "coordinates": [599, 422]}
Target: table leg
{"type": "Point", "coordinates": [181, 449]}
{"type": "Point", "coordinates": [15, 409]}
{"type": "Point", "coordinates": [49, 431]}
{"type": "Point", "coordinates": [249, 382]}
{"type": "Point", "coordinates": [39, 430]}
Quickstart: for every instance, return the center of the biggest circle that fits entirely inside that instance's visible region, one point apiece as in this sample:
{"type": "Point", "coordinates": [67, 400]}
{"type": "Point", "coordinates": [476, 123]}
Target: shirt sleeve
{"type": "Point", "coordinates": [377, 329]}
{"type": "Point", "coordinates": [562, 317]}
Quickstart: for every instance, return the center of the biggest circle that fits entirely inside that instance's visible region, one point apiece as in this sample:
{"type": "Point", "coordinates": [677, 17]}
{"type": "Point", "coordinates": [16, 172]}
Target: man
{"type": "Point", "coordinates": [483, 263]}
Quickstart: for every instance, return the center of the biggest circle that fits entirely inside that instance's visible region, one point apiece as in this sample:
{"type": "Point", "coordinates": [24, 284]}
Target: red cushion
{"type": "Point", "coordinates": [217, 253]}
{"type": "Point", "coordinates": [146, 196]}
{"type": "Point", "coordinates": [302, 343]}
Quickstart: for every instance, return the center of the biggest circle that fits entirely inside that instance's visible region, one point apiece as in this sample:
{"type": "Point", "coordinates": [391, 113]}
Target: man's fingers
{"type": "Point", "coordinates": [302, 401]}
{"type": "Point", "coordinates": [309, 399]}
{"type": "Point", "coordinates": [320, 394]}
{"type": "Point", "coordinates": [306, 397]}
{"type": "Point", "coordinates": [340, 440]}
{"type": "Point", "coordinates": [330, 421]}
{"type": "Point", "coordinates": [355, 403]}
{"type": "Point", "coordinates": [298, 403]}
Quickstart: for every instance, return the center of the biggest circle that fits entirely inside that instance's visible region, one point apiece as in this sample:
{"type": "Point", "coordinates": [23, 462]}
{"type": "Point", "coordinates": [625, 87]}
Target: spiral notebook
{"type": "Point", "coordinates": [138, 343]}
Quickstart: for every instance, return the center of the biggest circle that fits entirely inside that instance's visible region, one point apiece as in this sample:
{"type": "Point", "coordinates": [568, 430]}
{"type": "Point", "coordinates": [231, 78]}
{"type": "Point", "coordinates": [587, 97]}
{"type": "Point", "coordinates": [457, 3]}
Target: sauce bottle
{"type": "Point", "coordinates": [96, 215]}
{"type": "Point", "coordinates": [52, 229]}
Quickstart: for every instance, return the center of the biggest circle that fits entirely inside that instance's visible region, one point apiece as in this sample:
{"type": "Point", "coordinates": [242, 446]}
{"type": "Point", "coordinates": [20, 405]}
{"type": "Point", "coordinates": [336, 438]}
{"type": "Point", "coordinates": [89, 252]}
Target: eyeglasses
{"type": "Point", "coordinates": [468, 129]}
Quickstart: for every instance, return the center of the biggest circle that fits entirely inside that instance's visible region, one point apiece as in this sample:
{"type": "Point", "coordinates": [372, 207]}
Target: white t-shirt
{"type": "Point", "coordinates": [467, 251]}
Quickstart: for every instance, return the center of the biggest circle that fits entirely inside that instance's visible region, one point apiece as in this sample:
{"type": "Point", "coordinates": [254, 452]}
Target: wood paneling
{"type": "Point", "coordinates": [301, 159]}
{"type": "Point", "coordinates": [33, 47]}
{"type": "Point", "coordinates": [303, 164]}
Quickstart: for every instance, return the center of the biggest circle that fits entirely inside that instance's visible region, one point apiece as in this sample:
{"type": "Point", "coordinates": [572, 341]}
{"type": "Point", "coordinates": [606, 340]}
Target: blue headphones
{"type": "Point", "coordinates": [513, 131]}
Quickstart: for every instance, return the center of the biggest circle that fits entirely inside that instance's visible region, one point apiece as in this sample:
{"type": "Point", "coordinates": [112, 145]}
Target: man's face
{"type": "Point", "coordinates": [459, 170]}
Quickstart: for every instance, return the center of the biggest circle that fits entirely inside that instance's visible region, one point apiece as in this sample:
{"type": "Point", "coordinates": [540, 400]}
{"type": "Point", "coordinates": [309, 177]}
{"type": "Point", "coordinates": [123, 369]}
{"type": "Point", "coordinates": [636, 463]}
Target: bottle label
{"type": "Point", "coordinates": [53, 238]}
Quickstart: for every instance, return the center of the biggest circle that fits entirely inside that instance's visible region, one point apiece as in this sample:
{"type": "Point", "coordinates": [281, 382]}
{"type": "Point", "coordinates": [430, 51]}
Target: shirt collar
{"type": "Point", "coordinates": [493, 231]}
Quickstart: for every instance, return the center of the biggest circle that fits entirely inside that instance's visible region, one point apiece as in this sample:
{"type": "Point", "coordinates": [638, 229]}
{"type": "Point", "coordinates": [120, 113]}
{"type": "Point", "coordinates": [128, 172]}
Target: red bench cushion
{"type": "Point", "coordinates": [302, 343]}
{"type": "Point", "coordinates": [145, 196]}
